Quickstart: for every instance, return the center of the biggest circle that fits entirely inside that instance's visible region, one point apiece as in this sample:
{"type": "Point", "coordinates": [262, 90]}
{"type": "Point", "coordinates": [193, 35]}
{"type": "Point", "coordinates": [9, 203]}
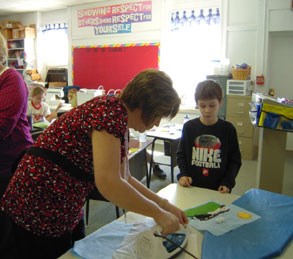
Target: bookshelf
{"type": "Point", "coordinates": [21, 53]}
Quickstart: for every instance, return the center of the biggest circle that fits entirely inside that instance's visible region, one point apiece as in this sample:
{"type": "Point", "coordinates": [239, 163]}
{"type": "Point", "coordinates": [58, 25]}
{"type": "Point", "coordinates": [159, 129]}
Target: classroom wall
{"type": "Point", "coordinates": [24, 18]}
{"type": "Point", "coordinates": [241, 34]}
{"type": "Point", "coordinates": [279, 47]}
{"type": "Point", "coordinates": [260, 35]}
{"type": "Point", "coordinates": [279, 51]}
{"type": "Point", "coordinates": [141, 32]}
{"type": "Point", "coordinates": [39, 19]}
{"type": "Point", "coordinates": [80, 32]}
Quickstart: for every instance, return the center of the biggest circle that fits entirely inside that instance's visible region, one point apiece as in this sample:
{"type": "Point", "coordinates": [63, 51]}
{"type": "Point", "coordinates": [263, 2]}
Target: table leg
{"type": "Point", "coordinates": [87, 211]}
{"type": "Point", "coordinates": [173, 149]}
{"type": "Point", "coordinates": [146, 167]}
{"type": "Point", "coordinates": [171, 161]}
{"type": "Point", "coordinates": [172, 171]}
{"type": "Point", "coordinates": [149, 175]}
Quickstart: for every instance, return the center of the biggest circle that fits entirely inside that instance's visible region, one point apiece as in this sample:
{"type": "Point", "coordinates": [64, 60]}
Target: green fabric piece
{"type": "Point", "coordinates": [202, 209]}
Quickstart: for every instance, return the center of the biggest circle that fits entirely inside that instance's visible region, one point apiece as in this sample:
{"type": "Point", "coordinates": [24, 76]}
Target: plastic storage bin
{"type": "Point", "coordinates": [238, 87]}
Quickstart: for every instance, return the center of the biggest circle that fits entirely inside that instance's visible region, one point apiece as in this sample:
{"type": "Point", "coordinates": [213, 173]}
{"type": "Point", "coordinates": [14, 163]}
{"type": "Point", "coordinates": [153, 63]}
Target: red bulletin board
{"type": "Point", "coordinates": [112, 66]}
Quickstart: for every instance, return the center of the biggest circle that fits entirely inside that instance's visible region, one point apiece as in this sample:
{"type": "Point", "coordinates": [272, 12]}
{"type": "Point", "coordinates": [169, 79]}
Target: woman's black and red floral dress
{"type": "Point", "coordinates": [42, 197]}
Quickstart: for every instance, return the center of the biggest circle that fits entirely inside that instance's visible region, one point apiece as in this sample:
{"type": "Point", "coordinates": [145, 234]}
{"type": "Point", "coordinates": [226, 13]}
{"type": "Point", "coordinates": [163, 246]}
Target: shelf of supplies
{"type": "Point", "coordinates": [14, 59]}
{"type": "Point", "coordinates": [20, 52]}
{"type": "Point", "coordinates": [270, 113]}
{"type": "Point", "coordinates": [15, 39]}
{"type": "Point", "coordinates": [15, 49]}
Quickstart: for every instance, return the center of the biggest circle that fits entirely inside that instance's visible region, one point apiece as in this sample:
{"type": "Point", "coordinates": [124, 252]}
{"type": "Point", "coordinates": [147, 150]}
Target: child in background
{"type": "Point", "coordinates": [208, 155]}
{"type": "Point", "coordinates": [37, 108]}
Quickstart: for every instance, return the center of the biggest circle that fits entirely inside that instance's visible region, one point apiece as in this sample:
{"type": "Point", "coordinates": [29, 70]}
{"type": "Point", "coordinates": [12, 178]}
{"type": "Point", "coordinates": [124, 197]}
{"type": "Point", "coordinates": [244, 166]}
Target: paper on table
{"type": "Point", "coordinates": [219, 219]}
{"type": "Point", "coordinates": [126, 249]}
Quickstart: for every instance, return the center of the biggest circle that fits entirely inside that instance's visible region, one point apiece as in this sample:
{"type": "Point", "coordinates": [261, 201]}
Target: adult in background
{"type": "Point", "coordinates": [15, 135]}
{"type": "Point", "coordinates": [85, 148]}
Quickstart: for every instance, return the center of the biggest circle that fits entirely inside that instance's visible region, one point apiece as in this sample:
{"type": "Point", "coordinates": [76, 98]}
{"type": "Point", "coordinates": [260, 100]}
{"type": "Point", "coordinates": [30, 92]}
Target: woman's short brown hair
{"type": "Point", "coordinates": [207, 90]}
{"type": "Point", "coordinates": [152, 91]}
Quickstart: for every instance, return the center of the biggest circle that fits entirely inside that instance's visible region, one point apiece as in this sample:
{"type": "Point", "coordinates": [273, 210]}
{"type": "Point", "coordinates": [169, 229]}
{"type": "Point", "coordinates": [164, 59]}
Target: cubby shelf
{"type": "Point", "coordinates": [20, 53]}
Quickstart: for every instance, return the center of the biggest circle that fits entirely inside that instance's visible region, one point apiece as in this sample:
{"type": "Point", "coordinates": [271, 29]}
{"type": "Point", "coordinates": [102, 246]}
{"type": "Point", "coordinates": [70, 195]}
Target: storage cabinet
{"type": "Point", "coordinates": [21, 53]}
{"type": "Point", "coordinates": [238, 108]}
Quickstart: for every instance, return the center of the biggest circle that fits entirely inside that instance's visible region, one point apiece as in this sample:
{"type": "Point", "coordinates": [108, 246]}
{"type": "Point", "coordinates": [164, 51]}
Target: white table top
{"type": "Point", "coordinates": [65, 108]}
{"type": "Point", "coordinates": [185, 198]}
{"type": "Point", "coordinates": [166, 132]}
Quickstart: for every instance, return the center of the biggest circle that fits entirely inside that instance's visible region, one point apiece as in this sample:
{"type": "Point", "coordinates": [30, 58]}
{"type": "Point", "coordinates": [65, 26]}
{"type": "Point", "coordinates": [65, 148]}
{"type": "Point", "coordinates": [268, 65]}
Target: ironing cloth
{"type": "Point", "coordinates": [102, 243]}
{"type": "Point", "coordinates": [117, 240]}
{"type": "Point", "coordinates": [263, 238]}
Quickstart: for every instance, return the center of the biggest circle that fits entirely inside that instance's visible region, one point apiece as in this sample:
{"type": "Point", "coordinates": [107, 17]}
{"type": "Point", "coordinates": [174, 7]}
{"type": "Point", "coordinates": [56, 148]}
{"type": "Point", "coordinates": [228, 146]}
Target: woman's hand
{"type": "Point", "coordinates": [175, 211]}
{"type": "Point", "coordinates": [168, 222]}
{"type": "Point", "coordinates": [175, 216]}
{"type": "Point", "coordinates": [185, 181]}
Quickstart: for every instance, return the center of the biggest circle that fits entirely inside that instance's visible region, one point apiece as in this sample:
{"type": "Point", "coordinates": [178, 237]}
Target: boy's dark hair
{"type": "Point", "coordinates": [152, 91]}
{"type": "Point", "coordinates": [208, 89]}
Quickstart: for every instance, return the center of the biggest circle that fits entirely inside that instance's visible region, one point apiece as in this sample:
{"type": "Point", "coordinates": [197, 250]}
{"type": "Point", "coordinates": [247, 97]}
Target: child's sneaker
{"type": "Point", "coordinates": [159, 172]}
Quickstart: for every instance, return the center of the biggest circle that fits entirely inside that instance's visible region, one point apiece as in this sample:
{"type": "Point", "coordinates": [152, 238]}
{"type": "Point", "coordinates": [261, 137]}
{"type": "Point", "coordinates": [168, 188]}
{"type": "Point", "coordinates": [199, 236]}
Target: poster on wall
{"type": "Point", "coordinates": [112, 66]}
{"type": "Point", "coordinates": [114, 19]}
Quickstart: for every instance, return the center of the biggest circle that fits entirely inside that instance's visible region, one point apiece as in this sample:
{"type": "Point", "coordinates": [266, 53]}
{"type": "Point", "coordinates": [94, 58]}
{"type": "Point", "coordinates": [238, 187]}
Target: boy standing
{"type": "Point", "coordinates": [208, 155]}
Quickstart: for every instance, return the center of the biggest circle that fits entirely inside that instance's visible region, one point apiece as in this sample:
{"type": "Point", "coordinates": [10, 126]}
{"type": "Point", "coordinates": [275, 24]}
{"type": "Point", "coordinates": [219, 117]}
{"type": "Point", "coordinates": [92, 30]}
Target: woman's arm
{"type": "Point", "coordinates": [12, 99]}
{"type": "Point", "coordinates": [106, 156]}
{"type": "Point", "coordinates": [163, 203]}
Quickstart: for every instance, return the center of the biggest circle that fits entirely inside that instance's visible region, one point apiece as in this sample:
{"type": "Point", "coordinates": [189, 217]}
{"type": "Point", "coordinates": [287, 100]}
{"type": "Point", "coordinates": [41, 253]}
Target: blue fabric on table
{"type": "Point", "coordinates": [102, 243]}
{"type": "Point", "coordinates": [263, 238]}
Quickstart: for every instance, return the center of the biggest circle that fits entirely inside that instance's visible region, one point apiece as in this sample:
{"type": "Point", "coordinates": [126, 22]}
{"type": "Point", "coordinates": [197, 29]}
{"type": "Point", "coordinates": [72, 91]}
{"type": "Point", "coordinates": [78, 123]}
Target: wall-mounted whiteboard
{"type": "Point", "coordinates": [112, 66]}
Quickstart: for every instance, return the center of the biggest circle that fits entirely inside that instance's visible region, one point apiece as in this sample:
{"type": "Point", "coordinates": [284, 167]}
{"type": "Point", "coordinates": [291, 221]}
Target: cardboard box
{"type": "Point", "coordinates": [15, 33]}
{"type": "Point", "coordinates": [7, 33]}
{"type": "Point", "coordinates": [27, 32]}
{"type": "Point", "coordinates": [23, 33]}
{"type": "Point", "coordinates": [57, 84]}
{"type": "Point", "coordinates": [9, 24]}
